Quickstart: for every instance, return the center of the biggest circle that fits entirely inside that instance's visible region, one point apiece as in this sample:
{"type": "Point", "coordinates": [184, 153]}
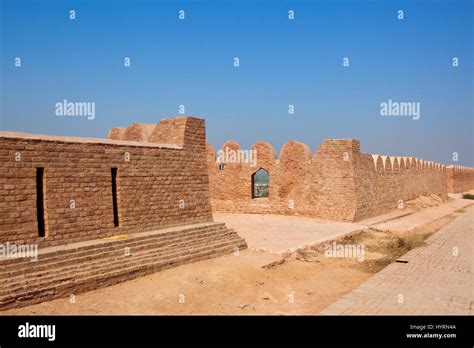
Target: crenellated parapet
{"type": "Point", "coordinates": [399, 164]}
{"type": "Point", "coordinates": [459, 178]}
{"type": "Point", "coordinates": [182, 131]}
{"type": "Point", "coordinates": [336, 181]}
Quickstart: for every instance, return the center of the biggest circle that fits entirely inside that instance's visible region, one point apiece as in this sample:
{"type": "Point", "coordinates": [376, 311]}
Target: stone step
{"type": "Point", "coordinates": [46, 257]}
{"type": "Point", "coordinates": [118, 263]}
{"type": "Point", "coordinates": [89, 281]}
{"type": "Point", "coordinates": [47, 262]}
{"type": "Point", "coordinates": [92, 261]}
{"type": "Point", "coordinates": [69, 249]}
{"type": "Point", "coordinates": [99, 282]}
{"type": "Point", "coordinates": [117, 268]}
{"type": "Point", "coordinates": [97, 260]}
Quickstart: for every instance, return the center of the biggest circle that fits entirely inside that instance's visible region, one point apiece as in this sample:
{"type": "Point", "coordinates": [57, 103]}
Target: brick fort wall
{"type": "Point", "coordinates": [459, 178]}
{"type": "Point", "coordinates": [161, 181]}
{"type": "Point", "coordinates": [337, 182]}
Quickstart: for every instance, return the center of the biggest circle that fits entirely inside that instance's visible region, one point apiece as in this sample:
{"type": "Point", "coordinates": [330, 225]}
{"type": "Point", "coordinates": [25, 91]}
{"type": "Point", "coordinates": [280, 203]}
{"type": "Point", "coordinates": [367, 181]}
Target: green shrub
{"type": "Point", "coordinates": [468, 196]}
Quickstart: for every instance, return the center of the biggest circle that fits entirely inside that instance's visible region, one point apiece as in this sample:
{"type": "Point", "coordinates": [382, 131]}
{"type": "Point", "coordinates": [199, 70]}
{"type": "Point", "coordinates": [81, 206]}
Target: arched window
{"type": "Point", "coordinates": [260, 183]}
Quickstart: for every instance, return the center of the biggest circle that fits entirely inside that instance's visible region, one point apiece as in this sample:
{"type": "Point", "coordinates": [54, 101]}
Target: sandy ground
{"type": "Point", "coordinates": [226, 285]}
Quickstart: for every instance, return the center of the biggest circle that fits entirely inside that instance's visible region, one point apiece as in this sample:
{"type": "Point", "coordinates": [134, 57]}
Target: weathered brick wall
{"type": "Point", "coordinates": [338, 182]}
{"type": "Point", "coordinates": [384, 182]}
{"type": "Point", "coordinates": [459, 179]}
{"type": "Point", "coordinates": [300, 183]}
{"type": "Point", "coordinates": [149, 186]}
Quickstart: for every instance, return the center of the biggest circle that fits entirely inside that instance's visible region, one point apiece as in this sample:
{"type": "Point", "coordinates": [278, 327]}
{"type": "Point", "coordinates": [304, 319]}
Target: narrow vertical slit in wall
{"type": "Point", "coordinates": [40, 201]}
{"type": "Point", "coordinates": [114, 196]}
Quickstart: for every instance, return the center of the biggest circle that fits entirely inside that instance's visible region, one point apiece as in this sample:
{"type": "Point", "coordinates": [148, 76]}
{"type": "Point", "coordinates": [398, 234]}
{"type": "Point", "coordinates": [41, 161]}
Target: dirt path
{"type": "Point", "coordinates": [226, 285]}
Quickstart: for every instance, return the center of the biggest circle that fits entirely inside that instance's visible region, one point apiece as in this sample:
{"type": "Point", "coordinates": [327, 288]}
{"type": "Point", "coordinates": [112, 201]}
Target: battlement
{"type": "Point", "coordinates": [395, 164]}
{"type": "Point", "coordinates": [181, 131]}
{"type": "Point", "coordinates": [297, 152]}
{"type": "Point", "coordinates": [336, 181]}
{"type": "Point", "coordinates": [461, 169]}
{"type": "Point", "coordinates": [459, 178]}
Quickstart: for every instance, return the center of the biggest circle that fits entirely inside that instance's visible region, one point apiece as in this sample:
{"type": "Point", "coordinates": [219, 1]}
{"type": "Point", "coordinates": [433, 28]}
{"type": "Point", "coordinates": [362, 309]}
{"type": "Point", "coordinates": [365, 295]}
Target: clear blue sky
{"type": "Point", "coordinates": [283, 62]}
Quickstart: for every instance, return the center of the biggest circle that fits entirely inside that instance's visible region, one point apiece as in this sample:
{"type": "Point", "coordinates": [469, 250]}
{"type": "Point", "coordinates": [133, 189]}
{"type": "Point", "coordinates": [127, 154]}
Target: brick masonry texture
{"type": "Point", "coordinates": [79, 267]}
{"type": "Point", "coordinates": [338, 182]}
{"type": "Point", "coordinates": [459, 178]}
{"type": "Point", "coordinates": [165, 166]}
